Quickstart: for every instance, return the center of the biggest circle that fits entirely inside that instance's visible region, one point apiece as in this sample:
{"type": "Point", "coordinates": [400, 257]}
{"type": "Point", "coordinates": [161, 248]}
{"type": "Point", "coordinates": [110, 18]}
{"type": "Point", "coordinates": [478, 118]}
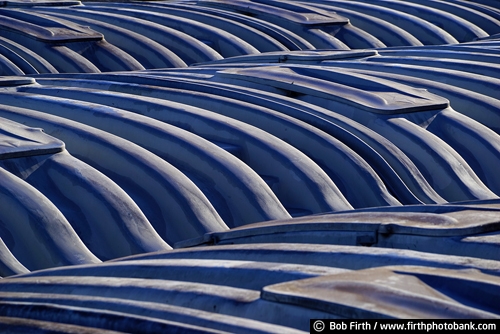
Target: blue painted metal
{"type": "Point", "coordinates": [348, 173]}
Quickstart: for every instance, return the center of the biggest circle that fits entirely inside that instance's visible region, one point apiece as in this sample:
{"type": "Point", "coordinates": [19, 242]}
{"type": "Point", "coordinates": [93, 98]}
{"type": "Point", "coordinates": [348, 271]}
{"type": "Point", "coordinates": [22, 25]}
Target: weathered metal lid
{"type": "Point", "coordinates": [393, 292]}
{"type": "Point", "coordinates": [295, 57]}
{"type": "Point", "coordinates": [305, 18]}
{"type": "Point", "coordinates": [48, 29]}
{"type": "Point", "coordinates": [361, 91]}
{"type": "Point", "coordinates": [18, 140]}
{"type": "Point", "coordinates": [432, 221]}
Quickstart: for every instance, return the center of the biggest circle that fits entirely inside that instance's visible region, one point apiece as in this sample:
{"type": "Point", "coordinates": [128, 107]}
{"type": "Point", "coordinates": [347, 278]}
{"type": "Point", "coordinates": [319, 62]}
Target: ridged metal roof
{"type": "Point", "coordinates": [300, 156]}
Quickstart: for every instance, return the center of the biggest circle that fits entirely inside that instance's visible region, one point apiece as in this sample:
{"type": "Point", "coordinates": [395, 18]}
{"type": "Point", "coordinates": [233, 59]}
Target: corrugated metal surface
{"type": "Point", "coordinates": [276, 140]}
